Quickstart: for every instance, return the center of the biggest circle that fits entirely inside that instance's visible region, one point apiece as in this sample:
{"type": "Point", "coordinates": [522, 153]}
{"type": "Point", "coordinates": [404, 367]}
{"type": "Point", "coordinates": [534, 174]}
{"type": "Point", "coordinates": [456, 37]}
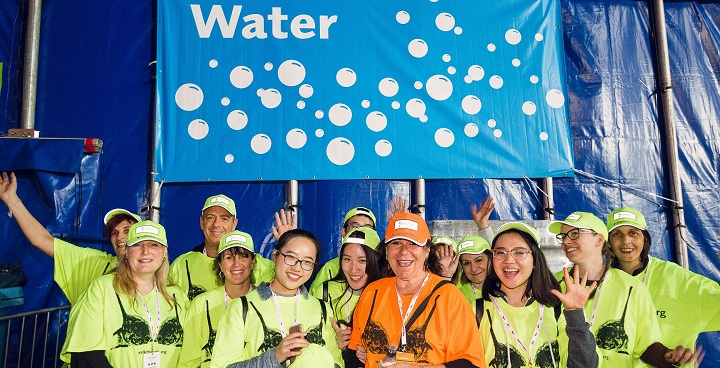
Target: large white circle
{"type": "Point", "coordinates": [383, 148]}
{"type": "Point", "coordinates": [306, 91]}
{"type": "Point", "coordinates": [376, 121]}
{"type": "Point", "coordinates": [444, 137]}
{"type": "Point", "coordinates": [415, 107]}
{"type": "Point", "coordinates": [260, 144]}
{"type": "Point", "coordinates": [418, 48]}
{"type": "Point", "coordinates": [529, 108]}
{"type": "Point", "coordinates": [340, 114]}
{"type": "Point", "coordinates": [471, 130]}
{"type": "Point", "coordinates": [496, 82]}
{"type": "Point", "coordinates": [271, 98]}
{"type": "Point", "coordinates": [471, 104]}
{"type": "Point", "coordinates": [346, 77]}
{"type": "Point", "coordinates": [388, 87]}
{"type": "Point", "coordinates": [439, 87]}
{"type": "Point", "coordinates": [402, 17]}
{"type": "Point", "coordinates": [555, 98]}
{"type": "Point", "coordinates": [445, 21]}
{"type": "Point", "coordinates": [476, 72]}
{"type": "Point", "coordinates": [340, 151]}
{"type": "Point", "coordinates": [513, 36]}
{"type": "Point", "coordinates": [241, 77]}
{"type": "Point", "coordinates": [237, 119]}
{"type": "Point", "coordinates": [291, 73]}
{"type": "Point", "coordinates": [198, 129]}
{"type": "Point", "coordinates": [296, 138]}
{"type": "Point", "coordinates": [189, 97]}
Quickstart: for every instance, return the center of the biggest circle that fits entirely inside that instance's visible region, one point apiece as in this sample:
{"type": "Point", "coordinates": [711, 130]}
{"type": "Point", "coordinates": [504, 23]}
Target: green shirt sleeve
{"type": "Point", "coordinates": [76, 267]}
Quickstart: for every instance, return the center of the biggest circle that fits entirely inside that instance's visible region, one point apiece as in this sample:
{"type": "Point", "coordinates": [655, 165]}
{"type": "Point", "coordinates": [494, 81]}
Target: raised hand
{"type": "Point", "coordinates": [482, 215]}
{"type": "Point", "coordinates": [8, 187]}
{"type": "Point", "coordinates": [284, 221]}
{"type": "Point", "coordinates": [397, 205]}
{"type": "Point", "coordinates": [681, 355]}
{"type": "Point", "coordinates": [342, 334]}
{"type": "Point", "coordinates": [576, 293]}
{"type": "Point", "coordinates": [447, 259]}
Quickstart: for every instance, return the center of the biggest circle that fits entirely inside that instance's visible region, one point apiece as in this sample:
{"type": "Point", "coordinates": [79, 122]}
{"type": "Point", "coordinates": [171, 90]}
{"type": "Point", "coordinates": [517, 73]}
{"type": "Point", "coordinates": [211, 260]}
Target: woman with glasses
{"type": "Point", "coordinates": [360, 264]}
{"type": "Point", "coordinates": [279, 322]}
{"type": "Point", "coordinates": [687, 303]}
{"type": "Point", "coordinates": [522, 322]}
{"type": "Point", "coordinates": [130, 318]}
{"type": "Point", "coordinates": [621, 308]}
{"type": "Point", "coordinates": [233, 268]}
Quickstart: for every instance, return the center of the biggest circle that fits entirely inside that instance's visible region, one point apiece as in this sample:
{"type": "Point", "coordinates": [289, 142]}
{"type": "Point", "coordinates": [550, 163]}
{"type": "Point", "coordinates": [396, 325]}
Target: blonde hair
{"type": "Point", "coordinates": [123, 282]}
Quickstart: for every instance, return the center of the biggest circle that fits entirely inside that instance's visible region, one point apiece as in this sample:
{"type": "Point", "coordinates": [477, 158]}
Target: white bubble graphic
{"type": "Point", "coordinates": [198, 129]}
{"type": "Point", "coordinates": [237, 119]}
{"type": "Point", "coordinates": [534, 79]}
{"type": "Point", "coordinates": [476, 72]}
{"type": "Point", "coordinates": [471, 130]}
{"type": "Point", "coordinates": [383, 148]}
{"type": "Point", "coordinates": [319, 133]}
{"type": "Point", "coordinates": [491, 47]}
{"type": "Point", "coordinates": [319, 114]}
{"type": "Point", "coordinates": [415, 107]}
{"type": "Point", "coordinates": [340, 114]}
{"type": "Point", "coordinates": [496, 82]}
{"type": "Point", "coordinates": [418, 85]}
{"type": "Point", "coordinates": [439, 87]}
{"type": "Point", "coordinates": [395, 105]}
{"type": "Point", "coordinates": [492, 123]}
{"type": "Point", "coordinates": [402, 17]}
{"type": "Point", "coordinates": [471, 104]}
{"type": "Point", "coordinates": [376, 121]}
{"type": "Point", "coordinates": [241, 77]}
{"type": "Point", "coordinates": [467, 79]}
{"type": "Point", "coordinates": [544, 136]}
{"type": "Point", "coordinates": [446, 57]}
{"type": "Point", "coordinates": [269, 66]}
{"type": "Point", "coordinates": [306, 91]}
{"type": "Point", "coordinates": [497, 133]}
{"type": "Point", "coordinates": [229, 158]}
{"type": "Point", "coordinates": [346, 77]}
{"type": "Point", "coordinates": [300, 104]}
{"type": "Point", "coordinates": [418, 48]}
{"type": "Point", "coordinates": [296, 138]}
{"type": "Point", "coordinates": [555, 98]}
{"type": "Point", "coordinates": [388, 87]}
{"type": "Point", "coordinates": [260, 92]}
{"type": "Point", "coordinates": [445, 21]}
{"type": "Point", "coordinates": [529, 108]}
{"type": "Point", "coordinates": [365, 104]}
{"type": "Point", "coordinates": [189, 97]}
{"type": "Point", "coordinates": [291, 73]}
{"type": "Point", "coordinates": [423, 119]}
{"type": "Point", "coordinates": [516, 62]}
{"type": "Point", "coordinates": [444, 137]}
{"type": "Point", "coordinates": [340, 151]}
{"type": "Point", "coordinates": [458, 30]}
{"type": "Point", "coordinates": [451, 70]}
{"type": "Point", "coordinates": [260, 144]}
{"type": "Point", "coordinates": [213, 63]}
{"type": "Point", "coordinates": [538, 37]}
{"type": "Point", "coordinates": [271, 98]}
{"type": "Point", "coordinates": [225, 101]}
{"type": "Point", "coordinates": [513, 36]}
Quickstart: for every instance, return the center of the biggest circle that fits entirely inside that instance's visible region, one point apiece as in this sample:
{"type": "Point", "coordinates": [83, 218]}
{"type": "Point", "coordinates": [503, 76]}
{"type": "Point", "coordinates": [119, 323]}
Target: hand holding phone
{"type": "Point", "coordinates": [293, 329]}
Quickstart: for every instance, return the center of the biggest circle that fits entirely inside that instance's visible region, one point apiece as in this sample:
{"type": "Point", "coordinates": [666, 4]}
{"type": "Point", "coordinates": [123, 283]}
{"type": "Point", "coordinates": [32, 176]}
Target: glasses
{"type": "Point", "coordinates": [515, 253]}
{"type": "Point", "coordinates": [354, 225]}
{"type": "Point", "coordinates": [573, 234]}
{"type": "Point", "coordinates": [292, 261]}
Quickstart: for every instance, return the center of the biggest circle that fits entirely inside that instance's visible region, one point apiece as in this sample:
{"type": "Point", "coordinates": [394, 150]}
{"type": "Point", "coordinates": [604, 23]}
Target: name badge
{"type": "Point", "coordinates": [151, 360]}
{"type": "Point", "coordinates": [402, 356]}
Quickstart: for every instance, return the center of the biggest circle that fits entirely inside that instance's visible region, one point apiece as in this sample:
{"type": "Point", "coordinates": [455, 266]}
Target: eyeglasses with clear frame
{"type": "Point", "coordinates": [573, 234]}
{"type": "Point", "coordinates": [291, 260]}
{"type": "Point", "coordinates": [516, 253]}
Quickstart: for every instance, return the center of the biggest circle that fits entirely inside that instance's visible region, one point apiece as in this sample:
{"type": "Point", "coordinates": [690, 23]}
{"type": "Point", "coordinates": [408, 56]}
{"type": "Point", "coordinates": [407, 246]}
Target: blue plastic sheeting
{"type": "Point", "coordinates": [11, 20]}
{"type": "Point", "coordinates": [32, 154]}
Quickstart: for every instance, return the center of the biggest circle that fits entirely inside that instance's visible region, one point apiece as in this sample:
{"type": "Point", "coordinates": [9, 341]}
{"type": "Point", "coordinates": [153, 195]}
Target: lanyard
{"type": "Point", "coordinates": [347, 303]}
{"type": "Point", "coordinates": [597, 300]}
{"type": "Point", "coordinates": [154, 328]}
{"type": "Point", "coordinates": [279, 316]}
{"type": "Point", "coordinates": [403, 338]}
{"type": "Point", "coordinates": [227, 297]}
{"type": "Point", "coordinates": [533, 340]}
{"type": "Point", "coordinates": [646, 270]}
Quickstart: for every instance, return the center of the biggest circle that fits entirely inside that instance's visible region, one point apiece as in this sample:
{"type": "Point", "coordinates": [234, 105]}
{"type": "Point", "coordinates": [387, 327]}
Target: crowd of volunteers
{"type": "Point", "coordinates": [395, 295]}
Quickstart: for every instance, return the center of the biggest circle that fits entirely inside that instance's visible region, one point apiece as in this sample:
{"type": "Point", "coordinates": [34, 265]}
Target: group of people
{"type": "Point", "coordinates": [403, 299]}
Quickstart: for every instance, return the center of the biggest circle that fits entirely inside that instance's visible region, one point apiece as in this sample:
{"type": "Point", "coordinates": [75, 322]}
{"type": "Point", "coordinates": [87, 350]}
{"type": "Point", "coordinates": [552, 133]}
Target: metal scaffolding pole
{"type": "Point", "coordinates": [32, 50]}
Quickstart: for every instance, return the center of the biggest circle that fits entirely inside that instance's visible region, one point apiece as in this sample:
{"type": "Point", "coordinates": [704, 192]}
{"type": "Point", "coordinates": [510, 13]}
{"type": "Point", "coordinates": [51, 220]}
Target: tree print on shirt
{"type": "Point", "coordinates": [136, 331]}
{"type": "Point", "coordinates": [611, 335]}
{"type": "Point", "coordinates": [193, 290]}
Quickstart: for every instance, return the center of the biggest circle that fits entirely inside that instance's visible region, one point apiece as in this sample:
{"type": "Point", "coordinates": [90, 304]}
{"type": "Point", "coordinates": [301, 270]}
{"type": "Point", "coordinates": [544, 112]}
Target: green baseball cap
{"type": "Point", "coordinates": [473, 244]}
{"type": "Point", "coordinates": [236, 238]}
{"type": "Point", "coordinates": [221, 200]}
{"type": "Point", "coordinates": [146, 230]}
{"type": "Point", "coordinates": [359, 211]}
{"type": "Point", "coordinates": [120, 211]}
{"type": "Point", "coordinates": [446, 240]}
{"type": "Point", "coordinates": [580, 220]}
{"type": "Point", "coordinates": [371, 238]}
{"type": "Point", "coordinates": [626, 216]}
{"type": "Point", "coordinates": [521, 226]}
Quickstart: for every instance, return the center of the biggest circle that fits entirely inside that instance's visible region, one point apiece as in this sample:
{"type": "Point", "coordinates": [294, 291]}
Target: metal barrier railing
{"type": "Point", "coordinates": [25, 333]}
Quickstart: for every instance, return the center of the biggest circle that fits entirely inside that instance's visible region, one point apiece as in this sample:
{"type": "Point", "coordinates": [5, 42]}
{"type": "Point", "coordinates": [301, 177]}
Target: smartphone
{"type": "Point", "coordinates": [296, 328]}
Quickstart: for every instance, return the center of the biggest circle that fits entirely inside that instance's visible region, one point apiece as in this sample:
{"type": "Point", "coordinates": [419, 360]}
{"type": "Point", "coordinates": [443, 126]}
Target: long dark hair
{"type": "Point", "coordinates": [432, 265]}
{"type": "Point", "coordinates": [644, 254]}
{"type": "Point", "coordinates": [115, 221]}
{"type": "Point", "coordinates": [375, 266]}
{"type": "Point", "coordinates": [541, 280]}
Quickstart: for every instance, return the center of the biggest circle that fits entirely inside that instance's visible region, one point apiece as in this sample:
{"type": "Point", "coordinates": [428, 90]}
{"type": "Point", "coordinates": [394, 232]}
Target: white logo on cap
{"type": "Point", "coordinates": [625, 215]}
{"type": "Point", "coordinates": [574, 217]}
{"type": "Point", "coordinates": [444, 240]}
{"type": "Point", "coordinates": [355, 240]}
{"type": "Point", "coordinates": [221, 200]}
{"type": "Point", "coordinates": [147, 229]}
{"type": "Point", "coordinates": [237, 238]}
{"type": "Point", "coordinates": [465, 244]}
{"type": "Point", "coordinates": [406, 224]}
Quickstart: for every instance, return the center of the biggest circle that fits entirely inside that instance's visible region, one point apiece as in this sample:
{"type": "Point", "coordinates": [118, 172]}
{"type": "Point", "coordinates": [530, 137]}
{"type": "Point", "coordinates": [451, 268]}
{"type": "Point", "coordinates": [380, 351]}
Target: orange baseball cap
{"type": "Point", "coordinates": [408, 226]}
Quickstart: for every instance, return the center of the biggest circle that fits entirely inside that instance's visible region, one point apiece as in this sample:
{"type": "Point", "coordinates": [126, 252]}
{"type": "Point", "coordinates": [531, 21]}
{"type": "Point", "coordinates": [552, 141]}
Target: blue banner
{"type": "Point", "coordinates": [278, 90]}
